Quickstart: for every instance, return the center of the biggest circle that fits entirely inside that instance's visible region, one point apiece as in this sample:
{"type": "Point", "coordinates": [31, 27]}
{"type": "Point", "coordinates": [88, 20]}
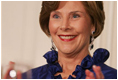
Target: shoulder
{"type": "Point", "coordinates": [108, 72]}
{"type": "Point", "coordinates": [40, 72]}
{"type": "Point", "coordinates": [42, 68]}
{"type": "Point", "coordinates": [99, 57]}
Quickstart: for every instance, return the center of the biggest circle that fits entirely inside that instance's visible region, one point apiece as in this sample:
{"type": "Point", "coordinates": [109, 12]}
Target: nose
{"type": "Point", "coordinates": [65, 24]}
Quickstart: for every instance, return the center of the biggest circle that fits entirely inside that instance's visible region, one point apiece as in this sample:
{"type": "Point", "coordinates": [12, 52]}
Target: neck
{"type": "Point", "coordinates": [69, 63]}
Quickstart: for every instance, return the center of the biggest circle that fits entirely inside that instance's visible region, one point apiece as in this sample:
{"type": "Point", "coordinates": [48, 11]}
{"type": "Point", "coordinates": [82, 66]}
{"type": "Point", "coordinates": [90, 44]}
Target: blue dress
{"type": "Point", "coordinates": [51, 68]}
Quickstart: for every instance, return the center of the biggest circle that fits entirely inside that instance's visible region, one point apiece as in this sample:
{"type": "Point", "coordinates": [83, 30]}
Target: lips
{"type": "Point", "coordinates": [67, 37]}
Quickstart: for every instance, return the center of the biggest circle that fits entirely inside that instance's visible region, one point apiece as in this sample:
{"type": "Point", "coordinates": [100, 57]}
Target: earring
{"type": "Point", "coordinates": [53, 47]}
{"type": "Point", "coordinates": [91, 41]}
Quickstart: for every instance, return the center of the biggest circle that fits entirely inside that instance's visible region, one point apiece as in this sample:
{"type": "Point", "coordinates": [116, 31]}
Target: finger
{"type": "Point", "coordinates": [19, 75]}
{"type": "Point", "coordinates": [98, 72]}
{"type": "Point", "coordinates": [7, 73]}
{"type": "Point", "coordinates": [89, 75]}
{"type": "Point", "coordinates": [11, 62]}
{"type": "Point", "coordinates": [87, 72]}
{"type": "Point", "coordinates": [87, 78]}
{"type": "Point", "coordinates": [11, 66]}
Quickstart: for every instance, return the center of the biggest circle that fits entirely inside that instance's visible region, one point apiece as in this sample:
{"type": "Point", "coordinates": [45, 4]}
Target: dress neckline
{"type": "Point", "coordinates": [99, 56]}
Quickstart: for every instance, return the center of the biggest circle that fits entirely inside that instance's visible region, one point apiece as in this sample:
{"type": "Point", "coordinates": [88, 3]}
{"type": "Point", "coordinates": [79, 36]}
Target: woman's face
{"type": "Point", "coordinates": [70, 27]}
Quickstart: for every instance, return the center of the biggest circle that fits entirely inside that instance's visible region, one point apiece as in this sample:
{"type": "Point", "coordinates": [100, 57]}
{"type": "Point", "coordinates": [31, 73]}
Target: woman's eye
{"type": "Point", "coordinates": [56, 16]}
{"type": "Point", "coordinates": [76, 16]}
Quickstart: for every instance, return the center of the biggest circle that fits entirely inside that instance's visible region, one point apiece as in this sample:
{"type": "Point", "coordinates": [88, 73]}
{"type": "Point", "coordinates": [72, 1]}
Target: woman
{"type": "Point", "coordinates": [73, 25]}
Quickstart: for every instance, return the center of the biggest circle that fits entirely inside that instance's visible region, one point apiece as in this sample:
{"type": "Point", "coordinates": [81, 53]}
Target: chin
{"type": "Point", "coordinates": [67, 50]}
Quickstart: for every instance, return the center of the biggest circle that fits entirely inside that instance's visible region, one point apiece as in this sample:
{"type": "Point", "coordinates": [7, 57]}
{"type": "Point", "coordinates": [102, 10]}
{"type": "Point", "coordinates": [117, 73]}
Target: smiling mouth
{"type": "Point", "coordinates": [67, 37]}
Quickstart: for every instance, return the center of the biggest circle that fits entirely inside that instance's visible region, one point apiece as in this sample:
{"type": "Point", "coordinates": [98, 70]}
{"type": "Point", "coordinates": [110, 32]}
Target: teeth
{"type": "Point", "coordinates": [67, 37]}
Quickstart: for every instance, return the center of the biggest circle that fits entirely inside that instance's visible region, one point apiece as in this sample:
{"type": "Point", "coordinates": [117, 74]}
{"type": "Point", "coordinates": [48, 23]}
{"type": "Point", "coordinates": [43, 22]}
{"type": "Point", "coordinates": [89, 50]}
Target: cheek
{"type": "Point", "coordinates": [53, 26]}
{"type": "Point", "coordinates": [82, 26]}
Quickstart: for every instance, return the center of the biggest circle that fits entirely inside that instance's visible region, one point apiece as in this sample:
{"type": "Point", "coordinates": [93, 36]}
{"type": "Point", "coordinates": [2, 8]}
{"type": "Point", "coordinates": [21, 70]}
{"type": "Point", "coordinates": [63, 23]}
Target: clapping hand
{"type": "Point", "coordinates": [98, 72]}
{"type": "Point", "coordinates": [11, 67]}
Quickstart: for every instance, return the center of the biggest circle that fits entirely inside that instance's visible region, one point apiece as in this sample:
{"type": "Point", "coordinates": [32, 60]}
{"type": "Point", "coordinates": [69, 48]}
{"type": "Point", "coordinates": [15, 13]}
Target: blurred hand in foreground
{"type": "Point", "coordinates": [98, 72]}
{"type": "Point", "coordinates": [11, 67]}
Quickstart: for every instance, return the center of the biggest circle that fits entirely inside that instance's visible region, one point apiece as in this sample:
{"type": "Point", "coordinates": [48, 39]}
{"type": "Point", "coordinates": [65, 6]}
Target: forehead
{"type": "Point", "coordinates": [71, 6]}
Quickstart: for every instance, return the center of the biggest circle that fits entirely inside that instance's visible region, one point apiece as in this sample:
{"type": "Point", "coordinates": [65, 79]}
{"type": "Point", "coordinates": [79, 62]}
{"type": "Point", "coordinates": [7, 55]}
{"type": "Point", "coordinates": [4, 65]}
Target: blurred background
{"type": "Point", "coordinates": [23, 42]}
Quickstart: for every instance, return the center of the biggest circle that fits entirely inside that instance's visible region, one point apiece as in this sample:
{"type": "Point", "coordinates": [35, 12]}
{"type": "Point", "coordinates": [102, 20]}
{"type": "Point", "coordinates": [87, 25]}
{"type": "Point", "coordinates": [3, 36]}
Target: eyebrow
{"type": "Point", "coordinates": [70, 12]}
{"type": "Point", "coordinates": [76, 11]}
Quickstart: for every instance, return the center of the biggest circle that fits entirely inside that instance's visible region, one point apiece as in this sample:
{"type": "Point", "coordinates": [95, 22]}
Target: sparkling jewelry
{"type": "Point", "coordinates": [53, 46]}
{"type": "Point", "coordinates": [12, 74]}
{"type": "Point", "coordinates": [92, 39]}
